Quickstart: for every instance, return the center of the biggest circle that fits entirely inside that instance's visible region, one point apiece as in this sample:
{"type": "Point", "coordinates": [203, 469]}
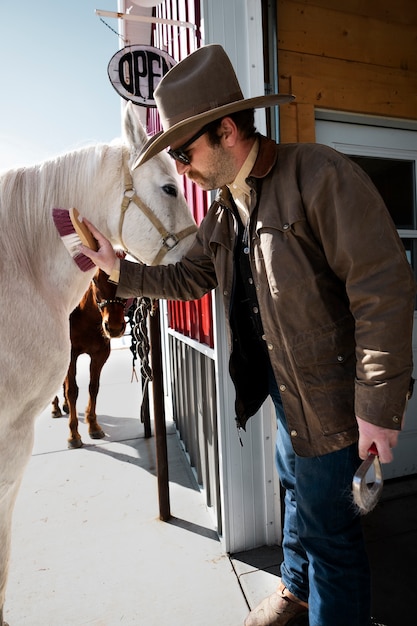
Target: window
{"type": "Point", "coordinates": [395, 180]}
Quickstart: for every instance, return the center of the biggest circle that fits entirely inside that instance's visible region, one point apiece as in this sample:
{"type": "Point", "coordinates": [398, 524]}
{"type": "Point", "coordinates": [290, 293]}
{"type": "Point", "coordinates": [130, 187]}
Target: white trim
{"type": "Point", "coordinates": [364, 119]}
{"type": "Point", "coordinates": [144, 18]}
{"type": "Point", "coordinates": [248, 481]}
{"type": "Point", "coordinates": [195, 345]}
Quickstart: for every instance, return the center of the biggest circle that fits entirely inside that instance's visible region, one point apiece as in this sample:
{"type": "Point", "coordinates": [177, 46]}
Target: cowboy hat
{"type": "Point", "coordinates": [200, 89]}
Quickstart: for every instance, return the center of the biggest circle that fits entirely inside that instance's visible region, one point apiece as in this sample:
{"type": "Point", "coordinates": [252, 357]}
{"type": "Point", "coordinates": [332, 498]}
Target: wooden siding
{"type": "Point", "coordinates": [357, 57]}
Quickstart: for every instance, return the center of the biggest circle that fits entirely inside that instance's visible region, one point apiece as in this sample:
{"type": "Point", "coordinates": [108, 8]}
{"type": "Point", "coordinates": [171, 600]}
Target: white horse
{"type": "Point", "coordinates": [40, 284]}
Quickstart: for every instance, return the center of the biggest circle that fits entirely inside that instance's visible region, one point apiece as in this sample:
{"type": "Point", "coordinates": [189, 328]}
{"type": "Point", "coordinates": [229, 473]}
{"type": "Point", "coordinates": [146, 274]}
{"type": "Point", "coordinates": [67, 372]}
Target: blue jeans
{"type": "Point", "coordinates": [325, 562]}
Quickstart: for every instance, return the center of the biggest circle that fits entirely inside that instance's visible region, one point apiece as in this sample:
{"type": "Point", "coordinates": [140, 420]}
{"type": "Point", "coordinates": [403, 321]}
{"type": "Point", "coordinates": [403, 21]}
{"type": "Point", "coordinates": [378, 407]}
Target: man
{"type": "Point", "coordinates": [319, 302]}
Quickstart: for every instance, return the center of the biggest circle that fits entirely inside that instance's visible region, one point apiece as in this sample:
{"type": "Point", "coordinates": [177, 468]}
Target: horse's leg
{"type": "Point", "coordinates": [6, 512]}
{"type": "Point", "coordinates": [1, 619]}
{"type": "Point", "coordinates": [71, 395]}
{"type": "Point", "coordinates": [15, 448]}
{"type": "Point", "coordinates": [98, 359]}
{"type": "Point", "coordinates": [56, 412]}
{"type": "Point", "coordinates": [65, 406]}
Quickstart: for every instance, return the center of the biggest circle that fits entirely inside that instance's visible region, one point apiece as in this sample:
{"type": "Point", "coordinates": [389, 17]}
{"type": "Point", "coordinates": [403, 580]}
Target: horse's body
{"type": "Point", "coordinates": [99, 317]}
{"type": "Point", "coordinates": [41, 284]}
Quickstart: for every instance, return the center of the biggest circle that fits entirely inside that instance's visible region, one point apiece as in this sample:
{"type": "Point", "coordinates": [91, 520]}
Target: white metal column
{"type": "Point", "coordinates": [249, 483]}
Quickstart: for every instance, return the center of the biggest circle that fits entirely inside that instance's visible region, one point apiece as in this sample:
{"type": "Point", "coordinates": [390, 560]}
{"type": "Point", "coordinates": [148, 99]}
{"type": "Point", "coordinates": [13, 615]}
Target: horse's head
{"type": "Point", "coordinates": [112, 309]}
{"type": "Point", "coordinates": [156, 225]}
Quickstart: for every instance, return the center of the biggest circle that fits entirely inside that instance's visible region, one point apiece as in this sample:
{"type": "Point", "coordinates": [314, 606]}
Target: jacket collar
{"type": "Point", "coordinates": [267, 157]}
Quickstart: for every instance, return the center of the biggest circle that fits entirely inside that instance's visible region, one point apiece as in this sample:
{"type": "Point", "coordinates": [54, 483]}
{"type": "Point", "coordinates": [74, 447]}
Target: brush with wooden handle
{"type": "Point", "coordinates": [73, 232]}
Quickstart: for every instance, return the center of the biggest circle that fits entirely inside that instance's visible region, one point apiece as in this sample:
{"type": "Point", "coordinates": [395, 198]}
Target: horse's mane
{"type": "Point", "coordinates": [28, 195]}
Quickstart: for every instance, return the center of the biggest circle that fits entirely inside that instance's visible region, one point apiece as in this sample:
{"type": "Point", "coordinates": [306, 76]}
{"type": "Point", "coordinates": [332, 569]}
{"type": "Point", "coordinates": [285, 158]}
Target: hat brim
{"type": "Point", "coordinates": [191, 125]}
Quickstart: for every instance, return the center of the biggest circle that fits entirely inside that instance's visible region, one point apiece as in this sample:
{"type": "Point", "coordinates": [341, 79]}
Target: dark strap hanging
{"type": "Point", "coordinates": [140, 347]}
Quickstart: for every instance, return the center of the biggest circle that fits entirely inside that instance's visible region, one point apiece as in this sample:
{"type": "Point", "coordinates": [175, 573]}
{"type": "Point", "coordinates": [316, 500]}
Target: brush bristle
{"type": "Point", "coordinates": [70, 239]}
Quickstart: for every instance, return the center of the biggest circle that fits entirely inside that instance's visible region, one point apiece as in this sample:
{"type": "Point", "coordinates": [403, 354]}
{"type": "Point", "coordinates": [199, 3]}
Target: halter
{"type": "Point", "coordinates": [105, 303]}
{"type": "Point", "coordinates": [169, 240]}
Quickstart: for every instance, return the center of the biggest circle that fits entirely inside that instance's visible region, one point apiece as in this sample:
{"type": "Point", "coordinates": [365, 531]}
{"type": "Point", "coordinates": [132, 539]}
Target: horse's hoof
{"type": "Point", "coordinates": [57, 413]}
{"type": "Point", "coordinates": [97, 434]}
{"type": "Point", "coordinates": [73, 444]}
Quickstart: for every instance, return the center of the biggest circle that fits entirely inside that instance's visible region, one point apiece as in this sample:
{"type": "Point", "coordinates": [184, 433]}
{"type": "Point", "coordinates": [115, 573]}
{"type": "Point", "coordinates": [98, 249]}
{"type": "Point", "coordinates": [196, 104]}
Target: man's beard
{"type": "Point", "coordinates": [219, 170]}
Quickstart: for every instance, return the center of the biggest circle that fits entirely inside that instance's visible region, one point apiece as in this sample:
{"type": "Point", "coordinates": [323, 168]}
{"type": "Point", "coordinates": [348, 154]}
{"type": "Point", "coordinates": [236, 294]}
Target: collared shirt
{"type": "Point", "coordinates": [239, 188]}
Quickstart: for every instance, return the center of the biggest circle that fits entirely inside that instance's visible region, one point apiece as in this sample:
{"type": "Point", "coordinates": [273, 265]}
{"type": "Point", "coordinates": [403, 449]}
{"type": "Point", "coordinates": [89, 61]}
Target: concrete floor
{"type": "Point", "coordinates": [89, 548]}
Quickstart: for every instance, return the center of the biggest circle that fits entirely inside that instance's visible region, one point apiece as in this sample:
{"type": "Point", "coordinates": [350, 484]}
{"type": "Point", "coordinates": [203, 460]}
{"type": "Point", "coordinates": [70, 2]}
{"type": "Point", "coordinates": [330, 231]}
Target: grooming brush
{"type": "Point", "coordinates": [73, 232]}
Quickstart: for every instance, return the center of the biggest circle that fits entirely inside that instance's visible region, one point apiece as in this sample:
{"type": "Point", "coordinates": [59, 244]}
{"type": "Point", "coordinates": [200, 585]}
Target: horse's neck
{"type": "Point", "coordinates": [105, 289]}
{"type": "Point", "coordinates": [91, 182]}
{"type": "Point", "coordinates": [88, 304]}
{"type": "Point", "coordinates": [88, 180]}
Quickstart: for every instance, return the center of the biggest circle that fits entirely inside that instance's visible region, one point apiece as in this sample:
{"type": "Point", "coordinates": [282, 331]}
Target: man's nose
{"type": "Point", "coordinates": [181, 167]}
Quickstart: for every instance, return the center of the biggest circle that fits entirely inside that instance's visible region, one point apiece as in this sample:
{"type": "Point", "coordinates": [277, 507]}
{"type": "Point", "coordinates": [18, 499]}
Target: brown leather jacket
{"type": "Point", "coordinates": [335, 291]}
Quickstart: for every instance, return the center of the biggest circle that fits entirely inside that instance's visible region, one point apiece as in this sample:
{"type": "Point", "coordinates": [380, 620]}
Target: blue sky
{"type": "Point", "coordinates": [55, 92]}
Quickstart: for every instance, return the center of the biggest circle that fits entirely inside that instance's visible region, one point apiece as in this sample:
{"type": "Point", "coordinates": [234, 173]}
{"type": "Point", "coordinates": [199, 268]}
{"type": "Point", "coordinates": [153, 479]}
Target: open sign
{"type": "Point", "coordinates": [135, 71]}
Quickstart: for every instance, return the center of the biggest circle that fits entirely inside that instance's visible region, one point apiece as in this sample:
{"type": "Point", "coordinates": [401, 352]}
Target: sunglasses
{"type": "Point", "coordinates": [179, 154]}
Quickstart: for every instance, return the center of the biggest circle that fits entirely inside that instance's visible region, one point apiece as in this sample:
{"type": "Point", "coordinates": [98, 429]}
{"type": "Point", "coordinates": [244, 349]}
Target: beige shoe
{"type": "Point", "coordinates": [281, 608]}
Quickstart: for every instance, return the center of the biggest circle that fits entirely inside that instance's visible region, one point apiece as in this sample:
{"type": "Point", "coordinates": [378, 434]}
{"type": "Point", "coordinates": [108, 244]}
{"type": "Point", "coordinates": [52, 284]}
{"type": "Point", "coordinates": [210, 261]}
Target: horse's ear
{"type": "Point", "coordinates": [134, 131]}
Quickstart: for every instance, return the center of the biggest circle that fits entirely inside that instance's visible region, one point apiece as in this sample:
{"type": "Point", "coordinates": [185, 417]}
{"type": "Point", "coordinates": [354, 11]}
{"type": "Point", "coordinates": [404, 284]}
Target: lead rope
{"type": "Point", "coordinates": [140, 346]}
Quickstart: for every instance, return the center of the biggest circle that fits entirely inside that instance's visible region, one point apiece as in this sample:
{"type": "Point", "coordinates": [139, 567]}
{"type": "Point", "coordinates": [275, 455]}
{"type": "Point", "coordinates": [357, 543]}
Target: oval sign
{"type": "Point", "coordinates": [135, 71]}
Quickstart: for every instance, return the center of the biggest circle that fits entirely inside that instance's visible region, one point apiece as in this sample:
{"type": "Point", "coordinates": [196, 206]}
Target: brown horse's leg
{"type": "Point", "coordinates": [65, 406]}
{"type": "Point", "coordinates": [97, 361]}
{"type": "Point", "coordinates": [71, 395]}
{"type": "Point", "coordinates": [56, 412]}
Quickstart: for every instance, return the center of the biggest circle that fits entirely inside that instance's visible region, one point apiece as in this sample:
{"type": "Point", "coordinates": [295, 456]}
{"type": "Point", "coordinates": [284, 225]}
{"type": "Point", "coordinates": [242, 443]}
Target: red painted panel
{"type": "Point", "coordinates": [192, 319]}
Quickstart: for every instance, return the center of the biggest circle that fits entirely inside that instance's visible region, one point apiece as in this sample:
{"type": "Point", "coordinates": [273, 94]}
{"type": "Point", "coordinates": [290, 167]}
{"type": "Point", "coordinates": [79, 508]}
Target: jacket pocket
{"type": "Point", "coordinates": [326, 368]}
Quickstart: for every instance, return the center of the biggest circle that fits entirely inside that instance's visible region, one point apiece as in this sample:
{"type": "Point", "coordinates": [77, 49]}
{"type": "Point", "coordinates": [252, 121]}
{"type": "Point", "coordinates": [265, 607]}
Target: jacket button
{"type": "Point", "coordinates": [270, 346]}
{"type": "Point", "coordinates": [225, 292]}
{"type": "Point", "coordinates": [294, 433]}
{"type": "Point", "coordinates": [286, 226]}
{"type": "Point", "coordinates": [340, 358]}
{"type": "Point", "coordinates": [396, 419]}
{"type": "Point", "coordinates": [283, 387]}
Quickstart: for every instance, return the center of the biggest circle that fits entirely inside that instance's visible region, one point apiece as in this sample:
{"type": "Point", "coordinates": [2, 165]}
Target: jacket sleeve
{"type": "Point", "coordinates": [363, 249]}
{"type": "Point", "coordinates": [189, 279]}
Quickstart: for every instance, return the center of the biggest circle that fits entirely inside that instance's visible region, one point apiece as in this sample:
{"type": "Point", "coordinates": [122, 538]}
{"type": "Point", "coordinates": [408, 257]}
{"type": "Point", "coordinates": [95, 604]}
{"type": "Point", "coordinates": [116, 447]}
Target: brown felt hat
{"type": "Point", "coordinates": [200, 89]}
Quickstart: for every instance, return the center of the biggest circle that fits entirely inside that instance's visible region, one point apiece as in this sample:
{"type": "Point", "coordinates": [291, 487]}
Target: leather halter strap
{"type": "Point", "coordinates": [105, 303]}
{"type": "Point", "coordinates": [169, 240]}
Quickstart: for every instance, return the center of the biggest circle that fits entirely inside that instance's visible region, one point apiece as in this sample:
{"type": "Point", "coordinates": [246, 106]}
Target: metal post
{"type": "Point", "coordinates": [159, 415]}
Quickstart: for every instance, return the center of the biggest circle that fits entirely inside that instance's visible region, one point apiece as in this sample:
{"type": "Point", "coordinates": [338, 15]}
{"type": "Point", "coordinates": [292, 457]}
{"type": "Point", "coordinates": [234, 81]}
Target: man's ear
{"type": "Point", "coordinates": [229, 131]}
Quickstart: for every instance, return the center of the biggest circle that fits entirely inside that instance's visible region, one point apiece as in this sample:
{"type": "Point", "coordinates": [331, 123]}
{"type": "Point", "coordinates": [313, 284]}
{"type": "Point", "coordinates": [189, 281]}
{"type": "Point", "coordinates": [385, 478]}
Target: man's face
{"type": "Point", "coordinates": [210, 167]}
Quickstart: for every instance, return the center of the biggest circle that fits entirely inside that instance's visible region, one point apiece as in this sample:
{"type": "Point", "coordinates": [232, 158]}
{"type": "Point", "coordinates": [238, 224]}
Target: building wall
{"type": "Point", "coordinates": [351, 56]}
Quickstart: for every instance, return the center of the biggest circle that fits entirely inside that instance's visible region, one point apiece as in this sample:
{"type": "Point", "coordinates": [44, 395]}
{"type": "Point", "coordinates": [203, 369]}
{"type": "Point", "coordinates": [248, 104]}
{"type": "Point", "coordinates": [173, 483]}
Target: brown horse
{"type": "Point", "coordinates": [99, 317]}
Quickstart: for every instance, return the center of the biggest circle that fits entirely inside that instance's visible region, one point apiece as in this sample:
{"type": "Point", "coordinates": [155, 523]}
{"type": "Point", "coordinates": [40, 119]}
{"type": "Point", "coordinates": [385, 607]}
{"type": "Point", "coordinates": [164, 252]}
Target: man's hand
{"type": "Point", "coordinates": [383, 438]}
{"type": "Point", "coordinates": [105, 257]}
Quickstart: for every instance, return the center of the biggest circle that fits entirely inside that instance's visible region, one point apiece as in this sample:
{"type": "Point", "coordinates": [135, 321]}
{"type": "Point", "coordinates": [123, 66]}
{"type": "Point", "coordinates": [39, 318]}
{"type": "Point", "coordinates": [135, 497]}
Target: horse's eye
{"type": "Point", "coordinates": [170, 190]}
